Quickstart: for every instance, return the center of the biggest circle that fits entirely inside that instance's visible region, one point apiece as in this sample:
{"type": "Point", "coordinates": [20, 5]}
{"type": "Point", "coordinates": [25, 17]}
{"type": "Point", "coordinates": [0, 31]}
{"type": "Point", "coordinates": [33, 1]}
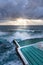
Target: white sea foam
{"type": "Point", "coordinates": [13, 63]}
{"type": "Point", "coordinates": [25, 35]}
{"type": "Point", "coordinates": [3, 33]}
{"type": "Point", "coordinates": [16, 35]}
{"type": "Point", "coordinates": [22, 36]}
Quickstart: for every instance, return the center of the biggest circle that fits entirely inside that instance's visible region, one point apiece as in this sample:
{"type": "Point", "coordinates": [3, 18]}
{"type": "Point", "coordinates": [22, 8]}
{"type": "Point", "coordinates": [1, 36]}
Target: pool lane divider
{"type": "Point", "coordinates": [22, 57]}
{"type": "Point", "coordinates": [31, 54]}
{"type": "Point", "coordinates": [20, 53]}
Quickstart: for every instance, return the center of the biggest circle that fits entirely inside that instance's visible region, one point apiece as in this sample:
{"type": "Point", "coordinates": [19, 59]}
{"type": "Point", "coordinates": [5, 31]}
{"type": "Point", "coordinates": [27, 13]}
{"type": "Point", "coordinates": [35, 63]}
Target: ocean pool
{"type": "Point", "coordinates": [10, 56]}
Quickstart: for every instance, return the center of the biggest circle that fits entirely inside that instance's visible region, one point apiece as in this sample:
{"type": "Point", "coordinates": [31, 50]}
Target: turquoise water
{"type": "Point", "coordinates": [30, 41]}
{"type": "Point", "coordinates": [33, 55]}
{"type": "Point", "coordinates": [8, 54]}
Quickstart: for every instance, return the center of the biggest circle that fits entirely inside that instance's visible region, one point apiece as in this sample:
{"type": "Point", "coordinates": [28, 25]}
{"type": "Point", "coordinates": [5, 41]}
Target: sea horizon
{"type": "Point", "coordinates": [9, 28]}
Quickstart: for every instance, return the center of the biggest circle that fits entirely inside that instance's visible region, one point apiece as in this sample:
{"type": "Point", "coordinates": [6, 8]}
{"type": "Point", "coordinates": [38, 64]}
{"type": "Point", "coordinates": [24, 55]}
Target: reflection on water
{"type": "Point", "coordinates": [9, 56]}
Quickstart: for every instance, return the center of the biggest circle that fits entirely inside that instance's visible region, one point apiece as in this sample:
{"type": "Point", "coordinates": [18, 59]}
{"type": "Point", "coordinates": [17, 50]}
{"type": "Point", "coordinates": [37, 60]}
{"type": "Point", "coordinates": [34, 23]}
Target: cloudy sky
{"type": "Point", "coordinates": [26, 9]}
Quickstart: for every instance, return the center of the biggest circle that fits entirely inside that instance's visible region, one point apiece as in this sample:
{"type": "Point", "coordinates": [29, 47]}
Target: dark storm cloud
{"type": "Point", "coordinates": [21, 8]}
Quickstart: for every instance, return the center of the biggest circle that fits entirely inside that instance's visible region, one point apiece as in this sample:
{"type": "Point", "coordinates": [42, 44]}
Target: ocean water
{"type": "Point", "coordinates": [8, 54]}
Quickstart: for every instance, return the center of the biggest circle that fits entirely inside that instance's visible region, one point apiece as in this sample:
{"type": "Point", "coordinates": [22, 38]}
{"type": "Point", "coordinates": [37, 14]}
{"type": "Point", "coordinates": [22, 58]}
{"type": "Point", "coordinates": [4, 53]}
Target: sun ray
{"type": "Point", "coordinates": [21, 21]}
